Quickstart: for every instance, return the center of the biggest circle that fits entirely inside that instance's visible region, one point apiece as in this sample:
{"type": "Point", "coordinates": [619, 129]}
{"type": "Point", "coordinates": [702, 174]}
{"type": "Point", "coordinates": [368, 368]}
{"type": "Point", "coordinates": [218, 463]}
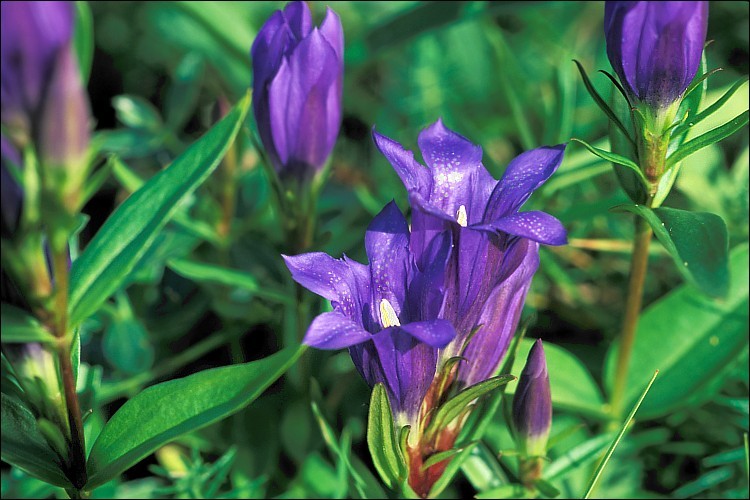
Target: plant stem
{"type": "Point", "coordinates": [60, 328]}
{"type": "Point", "coordinates": [638, 266]}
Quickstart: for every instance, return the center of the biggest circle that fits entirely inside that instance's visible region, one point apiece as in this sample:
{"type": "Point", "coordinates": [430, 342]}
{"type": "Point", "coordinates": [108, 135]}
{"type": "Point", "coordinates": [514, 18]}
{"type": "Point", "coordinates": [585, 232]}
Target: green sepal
{"type": "Point", "coordinates": [602, 104]}
{"type": "Point", "coordinates": [691, 121]}
{"type": "Point", "coordinates": [546, 488]}
{"type": "Point", "coordinates": [616, 159]}
{"type": "Point", "coordinates": [444, 455]}
{"type": "Point", "coordinates": [697, 242]}
{"type": "Point", "coordinates": [382, 439]}
{"type": "Point", "coordinates": [459, 403]}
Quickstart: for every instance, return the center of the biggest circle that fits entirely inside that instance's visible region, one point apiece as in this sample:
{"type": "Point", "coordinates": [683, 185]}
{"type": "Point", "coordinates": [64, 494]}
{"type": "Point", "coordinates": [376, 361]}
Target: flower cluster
{"type": "Point", "coordinates": [449, 288]}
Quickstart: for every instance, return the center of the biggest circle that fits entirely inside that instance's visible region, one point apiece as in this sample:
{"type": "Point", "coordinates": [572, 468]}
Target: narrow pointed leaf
{"type": "Point", "coordinates": [600, 102]}
{"type": "Point", "coordinates": [25, 447]}
{"type": "Point", "coordinates": [382, 440]}
{"type": "Point", "coordinates": [711, 137]}
{"type": "Point", "coordinates": [444, 455]}
{"type": "Point", "coordinates": [697, 242]}
{"type": "Point", "coordinates": [132, 228]}
{"type": "Point", "coordinates": [165, 411]}
{"type": "Point", "coordinates": [18, 326]}
{"type": "Point", "coordinates": [692, 121]}
{"type": "Point", "coordinates": [615, 158]}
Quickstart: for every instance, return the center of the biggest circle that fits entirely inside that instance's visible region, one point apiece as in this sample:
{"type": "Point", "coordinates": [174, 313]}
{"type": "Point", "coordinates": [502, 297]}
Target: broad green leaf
{"type": "Point", "coordinates": [710, 137]}
{"type": "Point", "coordinates": [132, 228]}
{"type": "Point", "coordinates": [617, 159]}
{"type": "Point", "coordinates": [83, 39]}
{"type": "Point", "coordinates": [572, 387]}
{"type": "Point", "coordinates": [690, 338]}
{"type": "Point", "coordinates": [25, 447]}
{"type": "Point", "coordinates": [382, 440]}
{"type": "Point", "coordinates": [18, 326]}
{"type": "Point", "coordinates": [459, 403]}
{"type": "Point", "coordinates": [210, 273]}
{"type": "Point", "coordinates": [697, 242]}
{"type": "Point", "coordinates": [165, 411]}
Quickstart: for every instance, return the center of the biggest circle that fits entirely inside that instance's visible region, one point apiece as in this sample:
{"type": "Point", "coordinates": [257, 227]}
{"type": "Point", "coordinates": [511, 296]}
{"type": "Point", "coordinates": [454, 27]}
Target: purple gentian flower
{"type": "Point", "coordinates": [385, 312]}
{"type": "Point", "coordinates": [532, 404]}
{"type": "Point", "coordinates": [298, 75]}
{"type": "Point", "coordinates": [655, 47]}
{"type": "Point", "coordinates": [43, 98]}
{"type": "Point", "coordinates": [496, 246]}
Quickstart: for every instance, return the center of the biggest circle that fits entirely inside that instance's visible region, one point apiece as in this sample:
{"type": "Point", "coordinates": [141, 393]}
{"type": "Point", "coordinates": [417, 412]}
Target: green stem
{"type": "Point", "coordinates": [60, 328]}
{"type": "Point", "coordinates": [638, 267]}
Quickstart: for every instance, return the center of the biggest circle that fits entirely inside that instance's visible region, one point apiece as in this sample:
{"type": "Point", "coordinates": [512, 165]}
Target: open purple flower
{"type": "Point", "coordinates": [385, 312]}
{"type": "Point", "coordinates": [43, 98]}
{"type": "Point", "coordinates": [532, 404]}
{"type": "Point", "coordinates": [655, 47]}
{"type": "Point", "coordinates": [495, 250]}
{"type": "Point", "coordinates": [297, 82]}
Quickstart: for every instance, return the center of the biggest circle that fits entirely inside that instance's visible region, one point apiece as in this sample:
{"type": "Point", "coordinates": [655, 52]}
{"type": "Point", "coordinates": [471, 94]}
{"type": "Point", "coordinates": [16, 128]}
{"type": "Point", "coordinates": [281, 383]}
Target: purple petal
{"type": "Point", "coordinates": [524, 175]}
{"type": "Point", "coordinates": [408, 368]}
{"type": "Point", "coordinates": [500, 314]}
{"type": "Point", "coordinates": [414, 176]}
{"type": "Point", "coordinates": [536, 226]}
{"type": "Point", "coordinates": [297, 16]}
{"type": "Point", "coordinates": [333, 32]}
{"type": "Point", "coordinates": [333, 330]}
{"type": "Point", "coordinates": [342, 281]}
{"type": "Point", "coordinates": [387, 246]}
{"type": "Point", "coordinates": [427, 287]}
{"type": "Point", "coordinates": [435, 333]}
{"type": "Point", "coordinates": [459, 178]}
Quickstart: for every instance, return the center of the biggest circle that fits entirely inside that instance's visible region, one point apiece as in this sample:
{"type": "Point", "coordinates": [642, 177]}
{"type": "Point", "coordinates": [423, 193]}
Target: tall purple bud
{"type": "Point", "coordinates": [298, 74]}
{"type": "Point", "coordinates": [44, 101]}
{"type": "Point", "coordinates": [655, 47]}
{"type": "Point", "coordinates": [532, 414]}
{"type": "Point", "coordinates": [532, 404]}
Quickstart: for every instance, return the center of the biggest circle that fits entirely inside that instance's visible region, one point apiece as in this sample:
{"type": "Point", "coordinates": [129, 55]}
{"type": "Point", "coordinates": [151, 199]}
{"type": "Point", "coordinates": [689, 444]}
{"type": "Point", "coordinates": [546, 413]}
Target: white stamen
{"type": "Point", "coordinates": [461, 216]}
{"type": "Point", "coordinates": [388, 316]}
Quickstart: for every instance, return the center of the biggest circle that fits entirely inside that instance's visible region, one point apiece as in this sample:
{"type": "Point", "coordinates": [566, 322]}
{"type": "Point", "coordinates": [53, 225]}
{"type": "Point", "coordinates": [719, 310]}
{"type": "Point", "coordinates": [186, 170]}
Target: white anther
{"type": "Point", "coordinates": [388, 316]}
{"type": "Point", "coordinates": [461, 216]}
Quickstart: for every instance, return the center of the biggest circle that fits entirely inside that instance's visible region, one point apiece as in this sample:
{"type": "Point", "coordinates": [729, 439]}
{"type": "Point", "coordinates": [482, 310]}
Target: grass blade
{"type": "Point", "coordinates": [611, 450]}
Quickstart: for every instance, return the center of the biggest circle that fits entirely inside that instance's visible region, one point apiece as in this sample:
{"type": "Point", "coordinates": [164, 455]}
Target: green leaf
{"type": "Point", "coordinates": [127, 347]}
{"type": "Point", "coordinates": [710, 137]}
{"type": "Point", "coordinates": [444, 455]}
{"type": "Point", "coordinates": [572, 386]}
{"type": "Point", "coordinates": [132, 228]}
{"type": "Point", "coordinates": [165, 411]}
{"type": "Point", "coordinates": [209, 273]}
{"type": "Point", "coordinates": [459, 403]}
{"type": "Point", "coordinates": [183, 93]}
{"type": "Point", "coordinates": [83, 39]}
{"type": "Point", "coordinates": [546, 488]}
{"type": "Point", "coordinates": [18, 326]}
{"type": "Point", "coordinates": [617, 159]}
{"type": "Point", "coordinates": [600, 102]}
{"type": "Point", "coordinates": [382, 440]}
{"type": "Point", "coordinates": [697, 242]}
{"type": "Point", "coordinates": [690, 338]}
{"type": "Point", "coordinates": [25, 447]}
